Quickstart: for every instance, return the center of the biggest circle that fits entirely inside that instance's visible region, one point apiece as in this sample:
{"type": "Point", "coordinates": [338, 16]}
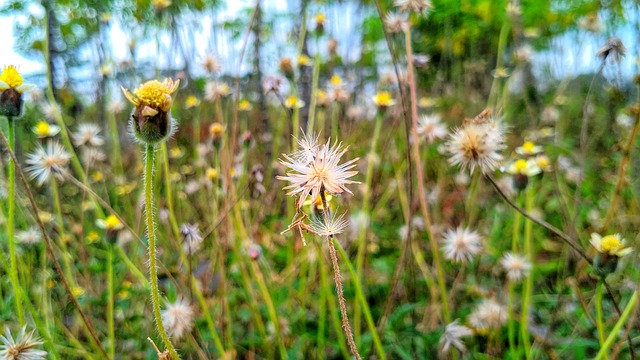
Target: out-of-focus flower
{"type": "Point", "coordinates": [44, 130]}
{"type": "Point", "coordinates": [488, 315]}
{"type": "Point", "coordinates": [383, 100]}
{"type": "Point", "coordinates": [517, 266]}
{"type": "Point", "coordinates": [160, 5]}
{"type": "Point", "coordinates": [394, 22]}
{"type": "Point", "coordinates": [191, 236]}
{"type": "Point", "coordinates": [293, 102]}
{"type": "Point", "coordinates": [420, 7]}
{"type": "Point", "coordinates": [320, 20]}
{"type": "Point", "coordinates": [111, 223]}
{"type": "Point", "coordinates": [30, 236]}
{"type": "Point", "coordinates": [191, 102]}
{"type": "Point", "coordinates": [524, 167]}
{"type": "Point", "coordinates": [178, 318]}
{"type": "Point", "coordinates": [452, 337]}
{"type": "Point", "coordinates": [612, 49]}
{"type": "Point", "coordinates": [211, 64]}
{"type": "Point", "coordinates": [476, 145]}
{"type": "Point", "coordinates": [22, 347]}
{"type": "Point", "coordinates": [613, 245]}
{"type": "Point", "coordinates": [529, 148]}
{"type": "Point", "coordinates": [461, 245]}
{"type": "Point", "coordinates": [47, 160]}
{"type": "Point", "coordinates": [12, 87]}
{"type": "Point", "coordinates": [430, 128]}
{"type": "Point", "coordinates": [591, 23]}
{"type": "Point", "coordinates": [244, 105]}
{"type": "Point", "coordinates": [286, 67]}
{"type": "Point", "coordinates": [87, 134]}
{"type": "Point", "coordinates": [216, 90]}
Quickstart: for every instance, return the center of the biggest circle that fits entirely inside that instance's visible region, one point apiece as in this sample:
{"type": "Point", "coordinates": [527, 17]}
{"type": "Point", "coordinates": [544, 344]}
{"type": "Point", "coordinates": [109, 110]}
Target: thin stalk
{"type": "Point", "coordinates": [366, 209]}
{"type": "Point", "coordinates": [528, 286]}
{"type": "Point", "coordinates": [13, 264]}
{"type": "Point", "coordinates": [515, 239]}
{"type": "Point", "coordinates": [61, 233]}
{"type": "Point", "coordinates": [599, 322]}
{"type": "Point", "coordinates": [151, 234]}
{"type": "Point", "coordinates": [616, 329]}
{"type": "Point", "coordinates": [338, 279]}
{"type": "Point", "coordinates": [420, 177]}
{"type": "Point", "coordinates": [314, 91]}
{"type": "Point", "coordinates": [335, 109]}
{"type": "Point", "coordinates": [110, 303]}
{"type": "Point", "coordinates": [208, 318]}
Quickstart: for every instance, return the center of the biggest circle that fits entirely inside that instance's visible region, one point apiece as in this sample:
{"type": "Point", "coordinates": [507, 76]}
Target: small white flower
{"type": "Point", "coordinates": [87, 135]}
{"type": "Point", "coordinates": [452, 337]}
{"type": "Point", "coordinates": [22, 347]}
{"type": "Point", "coordinates": [30, 236]}
{"type": "Point", "coordinates": [178, 318]}
{"type": "Point", "coordinates": [430, 127]}
{"type": "Point", "coordinates": [613, 245]}
{"type": "Point", "coordinates": [47, 160]}
{"type": "Point", "coordinates": [529, 148]}
{"type": "Point", "coordinates": [191, 237]}
{"type": "Point", "coordinates": [476, 145]}
{"type": "Point", "coordinates": [488, 315]}
{"type": "Point", "coordinates": [524, 167]}
{"type": "Point", "coordinates": [517, 266]}
{"type": "Point", "coordinates": [44, 130]}
{"type": "Point", "coordinates": [461, 245]}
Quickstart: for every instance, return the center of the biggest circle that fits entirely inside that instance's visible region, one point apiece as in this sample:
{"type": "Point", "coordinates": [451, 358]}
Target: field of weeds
{"type": "Point", "coordinates": [319, 179]}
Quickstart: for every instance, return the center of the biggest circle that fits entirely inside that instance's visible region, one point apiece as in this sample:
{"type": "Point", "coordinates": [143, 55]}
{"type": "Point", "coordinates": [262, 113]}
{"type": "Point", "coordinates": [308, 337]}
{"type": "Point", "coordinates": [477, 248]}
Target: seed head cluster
{"type": "Point", "coordinates": [477, 145]}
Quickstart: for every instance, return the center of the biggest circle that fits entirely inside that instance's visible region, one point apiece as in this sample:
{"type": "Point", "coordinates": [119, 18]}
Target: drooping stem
{"type": "Point", "coordinates": [151, 234]}
{"type": "Point", "coordinates": [338, 278]}
{"type": "Point", "coordinates": [13, 265]}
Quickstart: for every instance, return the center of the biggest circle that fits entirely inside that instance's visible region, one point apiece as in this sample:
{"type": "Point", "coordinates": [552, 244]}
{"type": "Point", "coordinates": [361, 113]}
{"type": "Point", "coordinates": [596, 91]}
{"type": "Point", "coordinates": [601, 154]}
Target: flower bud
{"type": "Point", "coordinates": [11, 88]}
{"type": "Point", "coordinates": [150, 120]}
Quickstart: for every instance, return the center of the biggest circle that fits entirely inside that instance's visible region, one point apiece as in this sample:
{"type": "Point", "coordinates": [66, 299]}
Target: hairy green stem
{"type": "Point", "coordinates": [151, 234]}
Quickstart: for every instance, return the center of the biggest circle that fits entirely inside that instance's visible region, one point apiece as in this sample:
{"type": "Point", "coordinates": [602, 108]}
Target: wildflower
{"type": "Point", "coordinates": [394, 22]}
{"type": "Point", "coordinates": [244, 105]}
{"type": "Point", "coordinates": [211, 64]}
{"type": "Point", "coordinates": [529, 148]}
{"type": "Point", "coordinates": [160, 5]}
{"type": "Point", "coordinates": [44, 130]}
{"type": "Point", "coordinates": [307, 148]}
{"type": "Point", "coordinates": [418, 6]}
{"type": "Point", "coordinates": [517, 266]}
{"type": "Point", "coordinates": [476, 145]}
{"type": "Point", "coordinates": [191, 236]}
{"type": "Point", "coordinates": [613, 48]}
{"type": "Point", "coordinates": [92, 156]}
{"type": "Point", "coordinates": [461, 245]}
{"type": "Point", "coordinates": [286, 67]}
{"type": "Point", "coordinates": [430, 127]}
{"type": "Point", "coordinates": [321, 98]}
{"type": "Point", "coordinates": [30, 236]}
{"type": "Point", "coordinates": [92, 237]}
{"type": "Point", "coordinates": [87, 135]}
{"type": "Point", "coordinates": [321, 174]}
{"type": "Point", "coordinates": [22, 347]}
{"type": "Point", "coordinates": [150, 120]}
{"type": "Point", "coordinates": [191, 102]}
{"type": "Point", "coordinates": [272, 84]}
{"type": "Point", "coordinates": [293, 102]}
{"type": "Point", "coordinates": [591, 23]}
{"type": "Point", "coordinates": [11, 88]}
{"type": "Point", "coordinates": [500, 72]}
{"type": "Point", "coordinates": [319, 19]}
{"type": "Point", "coordinates": [111, 223]}
{"type": "Point", "coordinates": [216, 130]}
{"type": "Point", "coordinates": [336, 81]}
{"type": "Point", "coordinates": [488, 315]}
{"type": "Point", "coordinates": [178, 318]}
{"type": "Point", "coordinates": [613, 245]}
{"type": "Point", "coordinates": [383, 100]}
{"type": "Point", "coordinates": [254, 251]}
{"type": "Point", "coordinates": [339, 94]}
{"type": "Point", "coordinates": [521, 170]}
{"type": "Point", "coordinates": [452, 337]}
{"type": "Point", "coordinates": [192, 187]}
{"type": "Point", "coordinates": [215, 90]}
{"type": "Point", "coordinates": [211, 174]}
{"type": "Point", "coordinates": [329, 227]}
{"type": "Point", "coordinates": [47, 160]}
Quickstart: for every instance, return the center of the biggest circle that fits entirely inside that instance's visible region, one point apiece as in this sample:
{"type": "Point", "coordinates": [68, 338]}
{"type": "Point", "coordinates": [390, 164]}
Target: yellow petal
{"type": "Point", "coordinates": [132, 99]}
{"type": "Point", "coordinates": [149, 111]}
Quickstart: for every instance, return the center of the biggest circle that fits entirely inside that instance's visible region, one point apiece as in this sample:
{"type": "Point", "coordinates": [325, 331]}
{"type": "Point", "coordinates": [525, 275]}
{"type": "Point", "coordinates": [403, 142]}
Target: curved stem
{"type": "Point", "coordinates": [151, 234]}
{"type": "Point", "coordinates": [616, 329]}
{"type": "Point", "coordinates": [11, 225]}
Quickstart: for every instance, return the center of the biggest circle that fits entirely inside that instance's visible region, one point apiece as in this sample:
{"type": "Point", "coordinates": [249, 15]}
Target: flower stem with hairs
{"type": "Point", "coordinates": [13, 264]}
{"type": "Point", "coordinates": [151, 234]}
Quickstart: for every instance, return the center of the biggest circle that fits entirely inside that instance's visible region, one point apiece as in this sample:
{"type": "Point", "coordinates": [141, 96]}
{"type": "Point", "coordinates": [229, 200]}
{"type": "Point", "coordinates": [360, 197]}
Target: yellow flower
{"type": "Point", "coordinates": [293, 102]}
{"type": "Point", "coordinates": [212, 174]}
{"type": "Point", "coordinates": [77, 291]}
{"type": "Point", "coordinates": [320, 19]}
{"type": "Point", "coordinates": [529, 148]}
{"type": "Point", "coordinates": [303, 60]}
{"type": "Point", "coordinates": [111, 223]}
{"type": "Point", "coordinates": [92, 237]}
{"type": "Point", "coordinates": [543, 162]}
{"type": "Point", "coordinates": [97, 176]}
{"type": "Point", "coordinates": [154, 94]}
{"type": "Point", "coordinates": [191, 101]}
{"type": "Point", "coordinates": [160, 5]}
{"type": "Point", "coordinates": [43, 129]}
{"type": "Point", "coordinates": [524, 167]}
{"type": "Point", "coordinates": [336, 80]}
{"type": "Point", "coordinates": [216, 130]}
{"type": "Point", "coordinates": [613, 245]}
{"type": "Point", "coordinates": [244, 105]}
{"type": "Point", "coordinates": [175, 152]}
{"type": "Point", "coordinates": [10, 78]}
{"type": "Point", "coordinates": [383, 99]}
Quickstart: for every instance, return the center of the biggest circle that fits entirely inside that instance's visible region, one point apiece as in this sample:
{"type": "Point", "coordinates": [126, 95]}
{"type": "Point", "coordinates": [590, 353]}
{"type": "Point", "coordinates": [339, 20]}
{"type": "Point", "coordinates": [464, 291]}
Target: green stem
{"type": "Point", "coordinates": [61, 233]}
{"type": "Point", "coordinates": [208, 317]}
{"type": "Point", "coordinates": [599, 322]}
{"type": "Point", "coordinates": [151, 234]}
{"type": "Point", "coordinates": [528, 286]}
{"type": "Point", "coordinates": [13, 264]}
{"type": "Point", "coordinates": [110, 303]}
{"type": "Point", "coordinates": [335, 109]}
{"type": "Point", "coordinates": [615, 332]}
{"type": "Point", "coordinates": [314, 91]}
